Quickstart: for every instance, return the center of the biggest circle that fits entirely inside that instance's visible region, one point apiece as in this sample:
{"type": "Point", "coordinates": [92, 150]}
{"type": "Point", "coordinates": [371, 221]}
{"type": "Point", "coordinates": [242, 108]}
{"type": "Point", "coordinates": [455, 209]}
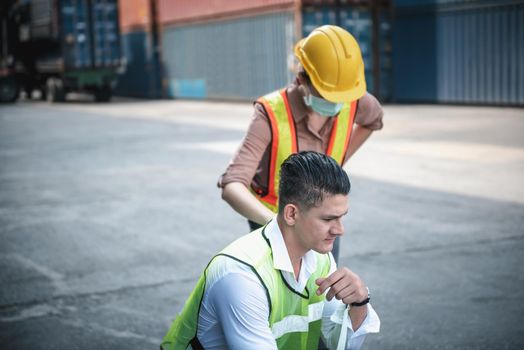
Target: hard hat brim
{"type": "Point", "coordinates": [344, 96]}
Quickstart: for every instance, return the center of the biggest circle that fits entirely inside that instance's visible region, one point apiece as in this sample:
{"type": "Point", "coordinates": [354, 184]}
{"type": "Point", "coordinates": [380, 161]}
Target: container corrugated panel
{"type": "Point", "coordinates": [413, 3]}
{"type": "Point", "coordinates": [76, 33]}
{"type": "Point", "coordinates": [186, 10]}
{"type": "Point", "coordinates": [318, 2]}
{"type": "Point", "coordinates": [242, 58]}
{"type": "Point", "coordinates": [42, 19]}
{"type": "Point", "coordinates": [142, 75]}
{"type": "Point", "coordinates": [469, 56]}
{"type": "Point", "coordinates": [313, 17]}
{"type": "Point", "coordinates": [358, 22]}
{"type": "Point", "coordinates": [90, 33]}
{"type": "Point", "coordinates": [135, 15]}
{"type": "Point", "coordinates": [385, 57]}
{"type": "Point", "coordinates": [106, 34]}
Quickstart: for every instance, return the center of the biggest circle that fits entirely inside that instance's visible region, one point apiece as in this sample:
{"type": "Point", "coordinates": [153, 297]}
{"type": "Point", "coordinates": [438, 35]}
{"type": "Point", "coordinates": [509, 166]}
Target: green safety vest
{"type": "Point", "coordinates": [284, 140]}
{"type": "Point", "coordinates": [294, 318]}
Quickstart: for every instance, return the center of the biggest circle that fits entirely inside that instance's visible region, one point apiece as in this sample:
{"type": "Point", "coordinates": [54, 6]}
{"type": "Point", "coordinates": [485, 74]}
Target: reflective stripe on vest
{"type": "Point", "coordinates": [341, 132]}
{"type": "Point", "coordinates": [295, 323]}
{"type": "Point", "coordinates": [294, 318]}
{"type": "Point", "coordinates": [284, 139]}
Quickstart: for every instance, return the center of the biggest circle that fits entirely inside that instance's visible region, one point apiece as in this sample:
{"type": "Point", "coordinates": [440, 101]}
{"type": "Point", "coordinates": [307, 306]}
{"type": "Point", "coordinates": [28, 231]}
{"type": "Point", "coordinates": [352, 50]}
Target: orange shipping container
{"type": "Point", "coordinates": [134, 15]}
{"type": "Point", "coordinates": [203, 10]}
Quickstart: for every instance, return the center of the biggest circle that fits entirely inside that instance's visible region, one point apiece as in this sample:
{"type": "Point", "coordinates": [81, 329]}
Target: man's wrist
{"type": "Point", "coordinates": [363, 302]}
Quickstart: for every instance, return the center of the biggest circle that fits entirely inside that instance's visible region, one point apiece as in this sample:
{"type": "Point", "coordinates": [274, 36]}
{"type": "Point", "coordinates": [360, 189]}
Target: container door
{"type": "Point", "coordinates": [76, 36]}
{"type": "Point", "coordinates": [106, 46]}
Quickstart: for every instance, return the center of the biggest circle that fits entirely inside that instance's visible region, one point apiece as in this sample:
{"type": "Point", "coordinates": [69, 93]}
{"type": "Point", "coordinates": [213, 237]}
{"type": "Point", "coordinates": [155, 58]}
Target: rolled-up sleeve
{"type": "Point", "coordinates": [244, 163]}
{"type": "Point", "coordinates": [369, 113]}
{"type": "Point", "coordinates": [332, 320]}
{"type": "Point", "coordinates": [333, 317]}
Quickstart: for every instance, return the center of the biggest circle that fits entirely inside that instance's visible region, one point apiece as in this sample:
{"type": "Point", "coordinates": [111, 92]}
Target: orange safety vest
{"type": "Point", "coordinates": [284, 140]}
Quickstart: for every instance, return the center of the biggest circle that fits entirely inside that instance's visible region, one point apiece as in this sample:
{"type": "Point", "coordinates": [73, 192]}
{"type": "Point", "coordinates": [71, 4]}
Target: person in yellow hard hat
{"type": "Point", "coordinates": [326, 109]}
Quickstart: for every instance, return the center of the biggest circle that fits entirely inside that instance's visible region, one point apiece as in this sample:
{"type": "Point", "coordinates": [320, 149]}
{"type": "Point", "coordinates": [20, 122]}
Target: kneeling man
{"type": "Point", "coordinates": [279, 287]}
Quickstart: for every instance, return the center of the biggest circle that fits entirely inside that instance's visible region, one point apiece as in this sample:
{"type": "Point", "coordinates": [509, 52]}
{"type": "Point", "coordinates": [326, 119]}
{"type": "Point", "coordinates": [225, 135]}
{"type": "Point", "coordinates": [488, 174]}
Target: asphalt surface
{"type": "Point", "coordinates": [109, 212]}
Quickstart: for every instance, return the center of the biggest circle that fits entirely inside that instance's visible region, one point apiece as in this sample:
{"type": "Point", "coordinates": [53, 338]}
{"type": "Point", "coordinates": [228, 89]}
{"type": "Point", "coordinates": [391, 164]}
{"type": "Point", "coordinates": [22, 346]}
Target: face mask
{"type": "Point", "coordinates": [321, 106]}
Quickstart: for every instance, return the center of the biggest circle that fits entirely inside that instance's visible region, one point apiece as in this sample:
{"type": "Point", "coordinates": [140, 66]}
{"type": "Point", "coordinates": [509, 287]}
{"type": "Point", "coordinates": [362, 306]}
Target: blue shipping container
{"type": "Point", "coordinates": [142, 75]}
{"type": "Point", "coordinates": [313, 17]}
{"type": "Point", "coordinates": [467, 55]}
{"type": "Point", "coordinates": [90, 33]}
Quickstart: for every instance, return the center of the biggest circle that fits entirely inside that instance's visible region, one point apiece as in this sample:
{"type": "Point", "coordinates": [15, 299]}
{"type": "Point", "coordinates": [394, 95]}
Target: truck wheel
{"type": "Point", "coordinates": [9, 89]}
{"type": "Point", "coordinates": [55, 90]}
{"type": "Point", "coordinates": [103, 94]}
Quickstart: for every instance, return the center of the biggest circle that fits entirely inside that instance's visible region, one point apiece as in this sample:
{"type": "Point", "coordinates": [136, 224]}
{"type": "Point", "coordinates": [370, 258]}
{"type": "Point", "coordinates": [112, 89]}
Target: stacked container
{"type": "Point", "coordinates": [140, 49]}
{"type": "Point", "coordinates": [453, 51]}
{"type": "Point", "coordinates": [369, 24]}
{"type": "Point", "coordinates": [225, 49]}
{"type": "Point", "coordinates": [61, 46]}
{"type": "Point", "coordinates": [95, 27]}
{"type": "Point", "coordinates": [237, 49]}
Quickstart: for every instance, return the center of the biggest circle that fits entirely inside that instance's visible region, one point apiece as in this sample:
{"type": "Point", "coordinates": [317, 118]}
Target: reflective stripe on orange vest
{"type": "Point", "coordinates": [284, 139]}
{"type": "Point", "coordinates": [341, 132]}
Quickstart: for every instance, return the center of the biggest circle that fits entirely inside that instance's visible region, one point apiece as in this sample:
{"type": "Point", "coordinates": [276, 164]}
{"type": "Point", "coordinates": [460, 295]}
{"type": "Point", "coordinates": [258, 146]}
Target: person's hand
{"type": "Point", "coordinates": [344, 285]}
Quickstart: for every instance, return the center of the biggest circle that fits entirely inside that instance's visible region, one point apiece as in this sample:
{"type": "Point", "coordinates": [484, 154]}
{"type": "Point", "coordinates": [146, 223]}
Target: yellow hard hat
{"type": "Point", "coordinates": [332, 59]}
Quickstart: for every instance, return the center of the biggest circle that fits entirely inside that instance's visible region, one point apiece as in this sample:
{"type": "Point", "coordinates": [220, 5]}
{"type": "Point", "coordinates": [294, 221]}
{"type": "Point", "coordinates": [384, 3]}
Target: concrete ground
{"type": "Point", "coordinates": [109, 212]}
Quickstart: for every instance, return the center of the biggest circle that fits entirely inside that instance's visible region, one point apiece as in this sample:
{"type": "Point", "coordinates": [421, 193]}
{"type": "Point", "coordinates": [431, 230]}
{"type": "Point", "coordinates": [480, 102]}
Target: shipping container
{"type": "Point", "coordinates": [357, 18]}
{"type": "Point", "coordinates": [135, 15]}
{"type": "Point", "coordinates": [318, 2]}
{"type": "Point", "coordinates": [241, 58]}
{"type": "Point", "coordinates": [66, 45]}
{"type": "Point", "coordinates": [242, 49]}
{"type": "Point", "coordinates": [313, 17]}
{"type": "Point", "coordinates": [462, 52]}
{"type": "Point", "coordinates": [140, 49]}
{"type": "Point", "coordinates": [423, 3]}
{"type": "Point", "coordinates": [171, 12]}
{"type": "Point", "coordinates": [89, 33]}
{"type": "Point", "coordinates": [142, 77]}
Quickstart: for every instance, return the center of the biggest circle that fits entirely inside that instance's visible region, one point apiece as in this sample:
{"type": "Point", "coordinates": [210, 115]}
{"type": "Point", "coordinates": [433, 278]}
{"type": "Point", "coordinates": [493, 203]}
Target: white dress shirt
{"type": "Point", "coordinates": [234, 312]}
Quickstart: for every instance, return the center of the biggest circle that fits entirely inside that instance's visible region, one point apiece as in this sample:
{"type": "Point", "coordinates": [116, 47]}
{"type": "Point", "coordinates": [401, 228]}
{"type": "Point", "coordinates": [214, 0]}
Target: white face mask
{"type": "Point", "coordinates": [321, 106]}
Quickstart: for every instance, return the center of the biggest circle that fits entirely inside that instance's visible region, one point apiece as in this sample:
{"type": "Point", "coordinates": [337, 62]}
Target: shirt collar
{"type": "Point", "coordinates": [281, 260]}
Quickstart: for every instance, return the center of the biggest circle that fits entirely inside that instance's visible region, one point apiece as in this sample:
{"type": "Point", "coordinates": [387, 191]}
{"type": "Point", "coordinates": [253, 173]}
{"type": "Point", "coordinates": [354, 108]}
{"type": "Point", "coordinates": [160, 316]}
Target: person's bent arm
{"type": "Point", "coordinates": [359, 135]}
{"type": "Point", "coordinates": [367, 120]}
{"type": "Point", "coordinates": [245, 203]}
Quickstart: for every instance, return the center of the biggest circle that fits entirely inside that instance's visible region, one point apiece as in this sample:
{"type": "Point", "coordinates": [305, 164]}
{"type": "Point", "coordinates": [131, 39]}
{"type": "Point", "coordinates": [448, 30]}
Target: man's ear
{"type": "Point", "coordinates": [291, 211]}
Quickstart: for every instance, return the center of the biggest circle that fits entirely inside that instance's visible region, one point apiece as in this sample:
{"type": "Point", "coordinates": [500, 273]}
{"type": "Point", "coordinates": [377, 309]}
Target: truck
{"type": "Point", "coordinates": [59, 46]}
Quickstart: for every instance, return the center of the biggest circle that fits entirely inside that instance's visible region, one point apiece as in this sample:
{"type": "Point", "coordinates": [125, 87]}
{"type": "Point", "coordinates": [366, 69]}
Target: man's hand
{"type": "Point", "coordinates": [344, 285]}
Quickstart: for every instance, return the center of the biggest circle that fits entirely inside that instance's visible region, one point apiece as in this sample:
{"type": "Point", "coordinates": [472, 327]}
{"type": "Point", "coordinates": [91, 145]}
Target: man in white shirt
{"type": "Point", "coordinates": [279, 287]}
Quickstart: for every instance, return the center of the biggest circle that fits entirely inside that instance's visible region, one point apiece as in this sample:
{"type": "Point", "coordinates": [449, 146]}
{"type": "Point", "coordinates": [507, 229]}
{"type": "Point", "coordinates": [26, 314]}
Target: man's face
{"type": "Point", "coordinates": [318, 227]}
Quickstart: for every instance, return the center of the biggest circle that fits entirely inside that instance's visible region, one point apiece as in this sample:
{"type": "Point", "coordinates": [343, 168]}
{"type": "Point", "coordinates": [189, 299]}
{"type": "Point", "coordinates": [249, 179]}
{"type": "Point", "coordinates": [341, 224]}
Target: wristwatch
{"type": "Point", "coordinates": [364, 302]}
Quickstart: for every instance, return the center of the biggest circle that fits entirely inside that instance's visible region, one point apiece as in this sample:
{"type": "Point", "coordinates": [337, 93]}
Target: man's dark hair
{"type": "Point", "coordinates": [306, 177]}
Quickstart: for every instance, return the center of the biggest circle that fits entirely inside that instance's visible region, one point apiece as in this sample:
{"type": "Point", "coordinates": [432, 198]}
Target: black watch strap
{"type": "Point", "coordinates": [364, 302]}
